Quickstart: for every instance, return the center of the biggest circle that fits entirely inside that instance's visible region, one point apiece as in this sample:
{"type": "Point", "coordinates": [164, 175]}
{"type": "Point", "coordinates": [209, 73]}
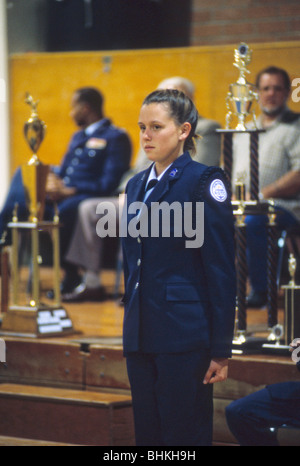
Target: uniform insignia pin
{"type": "Point", "coordinates": [173, 172]}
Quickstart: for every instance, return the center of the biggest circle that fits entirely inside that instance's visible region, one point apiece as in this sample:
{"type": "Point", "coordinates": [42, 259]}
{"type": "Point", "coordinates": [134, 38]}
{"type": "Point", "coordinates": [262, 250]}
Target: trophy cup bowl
{"type": "Point", "coordinates": [34, 131]}
{"type": "Point", "coordinates": [240, 102]}
{"type": "Point", "coordinates": [34, 172]}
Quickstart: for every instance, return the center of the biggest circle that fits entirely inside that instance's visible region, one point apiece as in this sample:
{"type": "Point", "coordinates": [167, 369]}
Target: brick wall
{"type": "Point", "coordinates": [225, 22]}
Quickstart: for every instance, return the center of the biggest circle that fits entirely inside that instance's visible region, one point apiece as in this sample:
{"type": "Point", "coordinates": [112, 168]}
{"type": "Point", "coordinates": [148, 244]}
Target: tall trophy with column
{"type": "Point", "coordinates": [282, 336]}
{"type": "Point", "coordinates": [241, 101]}
{"type": "Point", "coordinates": [34, 318]}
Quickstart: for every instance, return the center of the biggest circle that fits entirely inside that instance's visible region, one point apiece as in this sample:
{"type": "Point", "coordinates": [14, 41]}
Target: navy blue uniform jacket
{"type": "Point", "coordinates": [177, 298]}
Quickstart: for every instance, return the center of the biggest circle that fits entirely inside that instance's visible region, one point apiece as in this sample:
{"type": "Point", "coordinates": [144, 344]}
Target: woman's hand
{"type": "Point", "coordinates": [217, 371]}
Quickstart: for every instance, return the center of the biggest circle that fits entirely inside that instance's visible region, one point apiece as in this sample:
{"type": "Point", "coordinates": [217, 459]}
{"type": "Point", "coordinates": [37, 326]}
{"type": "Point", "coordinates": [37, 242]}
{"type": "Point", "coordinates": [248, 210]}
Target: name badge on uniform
{"type": "Point", "coordinates": [218, 190]}
{"type": "Point", "coordinates": [96, 143]}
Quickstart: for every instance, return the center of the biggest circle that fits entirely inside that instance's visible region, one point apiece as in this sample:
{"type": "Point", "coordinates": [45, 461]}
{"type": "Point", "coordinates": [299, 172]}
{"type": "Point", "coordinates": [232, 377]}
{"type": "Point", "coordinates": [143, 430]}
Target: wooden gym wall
{"type": "Point", "coordinates": [125, 78]}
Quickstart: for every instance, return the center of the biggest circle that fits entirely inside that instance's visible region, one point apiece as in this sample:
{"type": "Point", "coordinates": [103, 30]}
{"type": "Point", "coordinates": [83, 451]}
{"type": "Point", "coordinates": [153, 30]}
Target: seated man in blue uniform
{"type": "Point", "coordinates": [97, 157]}
{"type": "Point", "coordinates": [254, 419]}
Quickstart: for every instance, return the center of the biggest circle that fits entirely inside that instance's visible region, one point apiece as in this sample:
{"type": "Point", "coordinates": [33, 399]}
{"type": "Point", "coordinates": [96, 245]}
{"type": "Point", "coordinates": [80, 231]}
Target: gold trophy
{"type": "Point", "coordinates": [282, 335]}
{"type": "Point", "coordinates": [34, 173]}
{"type": "Point", "coordinates": [291, 304]}
{"type": "Point", "coordinates": [35, 318]}
{"type": "Point", "coordinates": [242, 95]}
{"type": "Point", "coordinates": [240, 102]}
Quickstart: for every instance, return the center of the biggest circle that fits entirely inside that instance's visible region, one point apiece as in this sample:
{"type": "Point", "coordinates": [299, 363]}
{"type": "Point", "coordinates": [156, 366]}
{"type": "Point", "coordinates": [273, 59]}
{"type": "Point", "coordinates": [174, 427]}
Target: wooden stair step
{"type": "Point", "coordinates": [87, 363]}
{"type": "Point", "coordinates": [25, 442]}
{"type": "Point", "coordinates": [65, 415]}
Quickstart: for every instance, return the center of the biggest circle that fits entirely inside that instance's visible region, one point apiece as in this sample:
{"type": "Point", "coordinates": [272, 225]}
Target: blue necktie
{"type": "Point", "coordinates": [151, 184]}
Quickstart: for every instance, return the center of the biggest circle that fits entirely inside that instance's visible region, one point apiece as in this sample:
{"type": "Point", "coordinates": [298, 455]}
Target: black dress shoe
{"type": "Point", "coordinates": [257, 299]}
{"type": "Point", "coordinates": [67, 286]}
{"type": "Point", "coordinates": [82, 293]}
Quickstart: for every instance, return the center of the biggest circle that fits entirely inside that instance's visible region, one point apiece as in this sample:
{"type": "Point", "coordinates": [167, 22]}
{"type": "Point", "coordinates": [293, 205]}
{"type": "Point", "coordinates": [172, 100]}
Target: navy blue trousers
{"type": "Point", "coordinates": [171, 405]}
{"type": "Point", "coordinates": [250, 418]}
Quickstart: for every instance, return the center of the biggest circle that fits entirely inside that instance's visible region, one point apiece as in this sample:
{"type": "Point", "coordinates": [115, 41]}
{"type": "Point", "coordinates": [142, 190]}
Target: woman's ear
{"type": "Point", "coordinates": [185, 130]}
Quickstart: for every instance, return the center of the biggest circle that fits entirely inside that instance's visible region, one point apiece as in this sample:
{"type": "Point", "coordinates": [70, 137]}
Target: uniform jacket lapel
{"type": "Point", "coordinates": [137, 191]}
{"type": "Point", "coordinates": [139, 188]}
{"type": "Point", "coordinates": [79, 139]}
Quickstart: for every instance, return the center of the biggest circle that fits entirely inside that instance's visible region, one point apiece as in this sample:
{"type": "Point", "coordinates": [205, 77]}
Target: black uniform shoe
{"type": "Point", "coordinates": [82, 293]}
{"type": "Point", "coordinates": [67, 285]}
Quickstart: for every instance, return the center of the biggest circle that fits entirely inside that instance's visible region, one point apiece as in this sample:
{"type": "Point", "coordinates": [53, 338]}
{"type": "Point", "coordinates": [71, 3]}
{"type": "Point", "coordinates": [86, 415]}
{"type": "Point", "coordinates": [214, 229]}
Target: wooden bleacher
{"type": "Point", "coordinates": [66, 416]}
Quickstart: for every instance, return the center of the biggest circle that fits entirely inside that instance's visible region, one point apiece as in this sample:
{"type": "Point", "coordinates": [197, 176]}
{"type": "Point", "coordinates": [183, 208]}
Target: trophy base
{"type": "Point", "coordinates": [276, 348]}
{"type": "Point", "coordinates": [36, 322]}
{"type": "Point", "coordinates": [247, 345]}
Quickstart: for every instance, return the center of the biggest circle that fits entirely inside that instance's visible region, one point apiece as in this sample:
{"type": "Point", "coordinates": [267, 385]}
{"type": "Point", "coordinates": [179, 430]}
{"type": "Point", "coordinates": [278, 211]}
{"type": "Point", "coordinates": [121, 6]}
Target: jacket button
{"type": "Point", "coordinates": [138, 239]}
{"type": "Point", "coordinates": [136, 285]}
{"type": "Point", "coordinates": [139, 262]}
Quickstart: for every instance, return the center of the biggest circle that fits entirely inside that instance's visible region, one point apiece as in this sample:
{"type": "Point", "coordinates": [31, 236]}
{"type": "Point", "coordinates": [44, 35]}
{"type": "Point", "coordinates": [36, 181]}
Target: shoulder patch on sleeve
{"type": "Point", "coordinates": [217, 190]}
{"type": "Point", "coordinates": [206, 186]}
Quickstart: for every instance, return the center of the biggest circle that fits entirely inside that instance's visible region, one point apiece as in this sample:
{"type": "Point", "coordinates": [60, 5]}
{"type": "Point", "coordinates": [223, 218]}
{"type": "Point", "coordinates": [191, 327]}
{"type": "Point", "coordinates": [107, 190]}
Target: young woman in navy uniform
{"type": "Point", "coordinates": [179, 299]}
